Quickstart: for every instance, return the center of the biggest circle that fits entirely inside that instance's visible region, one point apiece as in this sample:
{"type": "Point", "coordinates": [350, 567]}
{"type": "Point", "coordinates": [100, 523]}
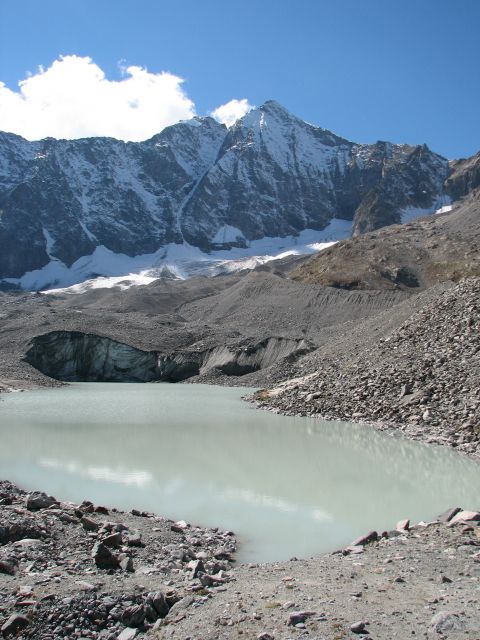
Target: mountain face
{"type": "Point", "coordinates": [464, 177]}
{"type": "Point", "coordinates": [269, 175]}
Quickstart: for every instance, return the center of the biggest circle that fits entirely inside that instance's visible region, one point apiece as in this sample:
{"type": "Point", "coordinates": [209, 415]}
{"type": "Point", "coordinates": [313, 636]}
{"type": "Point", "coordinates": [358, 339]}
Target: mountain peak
{"type": "Point", "coordinates": [273, 105]}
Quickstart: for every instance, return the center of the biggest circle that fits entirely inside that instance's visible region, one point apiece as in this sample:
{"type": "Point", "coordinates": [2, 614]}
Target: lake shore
{"type": "Point", "coordinates": [90, 571]}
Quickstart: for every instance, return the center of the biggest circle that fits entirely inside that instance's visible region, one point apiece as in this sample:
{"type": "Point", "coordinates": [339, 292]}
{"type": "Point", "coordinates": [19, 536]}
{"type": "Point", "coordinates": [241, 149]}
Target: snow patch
{"type": "Point", "coordinates": [441, 205]}
{"type": "Point", "coordinates": [227, 234]}
{"type": "Point", "coordinates": [444, 209]}
{"type": "Point", "coordinates": [50, 242]}
{"type": "Point", "coordinates": [106, 269]}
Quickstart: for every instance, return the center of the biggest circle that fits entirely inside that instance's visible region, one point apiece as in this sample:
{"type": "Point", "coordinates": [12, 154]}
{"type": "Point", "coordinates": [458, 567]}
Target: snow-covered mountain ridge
{"type": "Point", "coordinates": [197, 184]}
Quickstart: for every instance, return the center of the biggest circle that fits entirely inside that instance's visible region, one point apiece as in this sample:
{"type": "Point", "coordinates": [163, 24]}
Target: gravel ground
{"type": "Point", "coordinates": [86, 571]}
{"type": "Point", "coordinates": [423, 583]}
{"type": "Point", "coordinates": [422, 377]}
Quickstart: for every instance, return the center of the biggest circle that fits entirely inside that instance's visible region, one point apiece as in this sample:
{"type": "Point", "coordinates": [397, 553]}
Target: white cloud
{"type": "Point", "coordinates": [230, 112]}
{"type": "Point", "coordinates": [74, 99]}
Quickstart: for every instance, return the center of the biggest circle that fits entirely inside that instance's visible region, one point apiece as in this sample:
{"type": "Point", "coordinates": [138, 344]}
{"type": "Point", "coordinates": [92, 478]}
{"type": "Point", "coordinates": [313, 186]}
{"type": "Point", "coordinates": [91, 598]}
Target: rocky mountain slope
{"type": "Point", "coordinates": [410, 257]}
{"type": "Point", "coordinates": [419, 376]}
{"type": "Point", "coordinates": [271, 174]}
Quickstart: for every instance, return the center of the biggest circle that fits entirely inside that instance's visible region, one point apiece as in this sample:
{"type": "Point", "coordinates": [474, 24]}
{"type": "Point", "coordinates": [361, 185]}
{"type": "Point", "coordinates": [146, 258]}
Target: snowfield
{"type": "Point", "coordinates": [105, 269]}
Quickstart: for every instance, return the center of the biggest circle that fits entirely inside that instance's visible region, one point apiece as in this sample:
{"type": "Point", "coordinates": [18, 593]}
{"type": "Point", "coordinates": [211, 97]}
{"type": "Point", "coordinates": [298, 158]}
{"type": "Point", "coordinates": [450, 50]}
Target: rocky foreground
{"type": "Point", "coordinates": [421, 379]}
{"type": "Point", "coordinates": [86, 571]}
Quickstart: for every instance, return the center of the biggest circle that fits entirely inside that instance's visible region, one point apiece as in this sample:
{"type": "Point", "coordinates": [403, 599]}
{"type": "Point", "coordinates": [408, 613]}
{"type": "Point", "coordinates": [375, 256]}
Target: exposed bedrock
{"type": "Point", "coordinates": [74, 356]}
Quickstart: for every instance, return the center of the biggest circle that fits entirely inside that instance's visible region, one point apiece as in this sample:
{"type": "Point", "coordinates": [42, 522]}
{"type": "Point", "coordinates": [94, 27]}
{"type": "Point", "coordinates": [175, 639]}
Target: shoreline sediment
{"type": "Point", "coordinates": [90, 571]}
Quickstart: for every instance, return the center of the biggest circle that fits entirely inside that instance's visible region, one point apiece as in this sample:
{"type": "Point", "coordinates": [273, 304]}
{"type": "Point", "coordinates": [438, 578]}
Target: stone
{"type": "Point", "coordinates": [445, 622]}
{"type": "Point", "coordinates": [196, 567]}
{"type": "Point", "coordinates": [134, 540]}
{"type": "Point", "coordinates": [159, 603]}
{"type": "Point", "coordinates": [446, 516]}
{"type": "Point", "coordinates": [265, 636]}
{"type": "Point", "coordinates": [89, 524]}
{"type": "Point", "coordinates": [358, 627]}
{"type": "Point", "coordinates": [179, 526]}
{"type": "Point", "coordinates": [39, 500]}
{"type": "Point", "coordinates": [126, 563]}
{"type": "Point", "coordinates": [134, 615]}
{"type": "Point", "coordinates": [14, 624]}
{"type": "Point", "coordinates": [8, 566]}
{"type": "Point", "coordinates": [27, 542]}
{"type": "Point", "coordinates": [85, 586]}
{"type": "Point", "coordinates": [355, 549]}
{"type": "Point", "coordinates": [104, 558]}
{"type": "Point", "coordinates": [181, 605]}
{"type": "Point", "coordinates": [364, 540]}
{"type": "Point", "coordinates": [299, 617]}
{"type": "Point", "coordinates": [211, 581]}
{"type": "Point", "coordinates": [403, 525]}
{"type": "Point", "coordinates": [465, 516]}
{"type": "Point", "coordinates": [113, 540]}
{"type": "Point", "coordinates": [128, 634]}
{"type": "Point", "coordinates": [103, 510]}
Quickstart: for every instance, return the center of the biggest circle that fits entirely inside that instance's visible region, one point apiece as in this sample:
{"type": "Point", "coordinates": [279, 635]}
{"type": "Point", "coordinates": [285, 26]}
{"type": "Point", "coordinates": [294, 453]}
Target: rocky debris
{"type": "Point", "coordinates": [14, 624]}
{"type": "Point", "coordinates": [412, 257]}
{"type": "Point", "coordinates": [396, 588]}
{"type": "Point", "coordinates": [295, 619]}
{"type": "Point", "coordinates": [184, 584]}
{"type": "Point", "coordinates": [358, 627]}
{"type": "Point", "coordinates": [39, 500]}
{"type": "Point", "coordinates": [445, 622]}
{"type": "Point", "coordinates": [464, 516]}
{"type": "Point", "coordinates": [366, 539]}
{"type": "Point", "coordinates": [104, 558]}
{"type": "Point", "coordinates": [421, 380]}
{"type": "Point", "coordinates": [83, 575]}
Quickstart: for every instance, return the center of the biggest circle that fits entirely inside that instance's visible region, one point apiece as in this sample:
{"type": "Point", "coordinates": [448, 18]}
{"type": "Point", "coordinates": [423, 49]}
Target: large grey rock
{"type": "Point", "coordinates": [104, 558]}
{"type": "Point", "coordinates": [14, 624]}
{"type": "Point", "coordinates": [39, 500]}
{"type": "Point", "coordinates": [445, 622]}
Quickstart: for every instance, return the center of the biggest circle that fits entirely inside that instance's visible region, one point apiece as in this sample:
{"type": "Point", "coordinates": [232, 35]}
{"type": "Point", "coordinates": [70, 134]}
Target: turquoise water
{"type": "Point", "coordinates": [287, 486]}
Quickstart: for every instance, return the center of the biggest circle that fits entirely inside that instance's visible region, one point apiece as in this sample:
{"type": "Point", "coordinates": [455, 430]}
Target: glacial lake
{"type": "Point", "coordinates": [287, 486]}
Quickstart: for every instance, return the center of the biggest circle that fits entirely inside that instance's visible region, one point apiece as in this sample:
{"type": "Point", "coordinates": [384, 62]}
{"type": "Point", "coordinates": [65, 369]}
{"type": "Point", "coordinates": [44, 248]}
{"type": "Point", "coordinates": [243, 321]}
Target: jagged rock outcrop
{"type": "Point", "coordinates": [271, 174]}
{"type": "Point", "coordinates": [464, 177]}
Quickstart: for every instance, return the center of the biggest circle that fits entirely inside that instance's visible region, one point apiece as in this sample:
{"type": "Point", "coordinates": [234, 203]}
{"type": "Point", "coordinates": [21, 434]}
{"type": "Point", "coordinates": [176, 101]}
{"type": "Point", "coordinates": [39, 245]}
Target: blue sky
{"type": "Point", "coordinates": [405, 71]}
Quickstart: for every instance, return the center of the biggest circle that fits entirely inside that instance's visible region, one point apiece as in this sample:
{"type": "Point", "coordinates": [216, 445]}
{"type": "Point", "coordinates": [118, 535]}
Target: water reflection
{"type": "Point", "coordinates": [289, 486]}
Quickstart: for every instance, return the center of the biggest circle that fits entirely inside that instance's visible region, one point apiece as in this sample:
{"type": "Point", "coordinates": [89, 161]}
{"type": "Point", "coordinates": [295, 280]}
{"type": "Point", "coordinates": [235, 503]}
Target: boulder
{"type": "Point", "coordinates": [446, 516]}
{"type": "Point", "coordinates": [465, 516]}
{"type": "Point", "coordinates": [445, 622]}
{"type": "Point", "coordinates": [89, 524]}
{"type": "Point", "coordinates": [364, 540]}
{"type": "Point", "coordinates": [126, 563]}
{"type": "Point", "coordinates": [39, 500]}
{"type": "Point", "coordinates": [159, 603]}
{"type": "Point", "coordinates": [104, 558]}
{"type": "Point", "coordinates": [14, 624]}
{"type": "Point", "coordinates": [299, 617]}
{"type": "Point", "coordinates": [128, 634]}
{"type": "Point", "coordinates": [134, 615]}
{"type": "Point", "coordinates": [113, 540]}
{"type": "Point", "coordinates": [358, 627]}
